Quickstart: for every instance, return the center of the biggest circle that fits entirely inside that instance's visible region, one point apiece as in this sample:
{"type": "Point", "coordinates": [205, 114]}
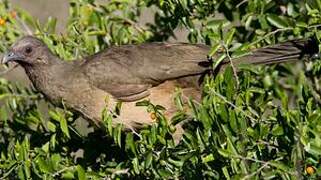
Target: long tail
{"type": "Point", "coordinates": [294, 50]}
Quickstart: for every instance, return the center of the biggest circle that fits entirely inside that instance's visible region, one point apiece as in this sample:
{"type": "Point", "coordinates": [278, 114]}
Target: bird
{"type": "Point", "coordinates": [128, 74]}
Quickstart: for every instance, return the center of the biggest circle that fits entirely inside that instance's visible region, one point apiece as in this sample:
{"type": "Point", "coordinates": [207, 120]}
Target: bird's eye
{"type": "Point", "coordinates": [28, 50]}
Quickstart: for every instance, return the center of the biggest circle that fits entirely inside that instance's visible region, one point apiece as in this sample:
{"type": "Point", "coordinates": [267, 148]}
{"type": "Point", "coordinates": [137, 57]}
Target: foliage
{"type": "Point", "coordinates": [262, 123]}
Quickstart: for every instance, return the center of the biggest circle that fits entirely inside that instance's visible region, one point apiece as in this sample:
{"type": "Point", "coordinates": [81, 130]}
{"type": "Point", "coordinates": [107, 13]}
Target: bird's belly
{"type": "Point", "coordinates": [161, 95]}
{"type": "Point", "coordinates": [91, 104]}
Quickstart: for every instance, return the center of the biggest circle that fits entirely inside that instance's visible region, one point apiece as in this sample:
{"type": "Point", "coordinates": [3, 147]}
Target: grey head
{"type": "Point", "coordinates": [29, 51]}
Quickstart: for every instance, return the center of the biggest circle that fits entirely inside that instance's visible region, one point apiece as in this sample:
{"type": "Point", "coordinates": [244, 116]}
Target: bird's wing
{"type": "Point", "coordinates": [127, 72]}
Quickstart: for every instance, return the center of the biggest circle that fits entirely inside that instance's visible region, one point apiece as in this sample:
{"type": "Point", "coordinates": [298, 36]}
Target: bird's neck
{"type": "Point", "coordinates": [45, 75]}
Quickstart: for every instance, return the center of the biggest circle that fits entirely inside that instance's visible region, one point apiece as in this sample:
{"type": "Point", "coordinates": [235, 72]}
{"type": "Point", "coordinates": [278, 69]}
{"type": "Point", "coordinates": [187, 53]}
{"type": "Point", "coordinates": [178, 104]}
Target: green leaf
{"type": "Point", "coordinates": [219, 60]}
{"type": "Point", "coordinates": [117, 134]}
{"type": "Point", "coordinates": [280, 166]}
{"type": "Point", "coordinates": [290, 10]}
{"type": "Point", "coordinates": [277, 130]}
{"type": "Point", "coordinates": [81, 173]}
{"type": "Point", "coordinates": [208, 158]}
{"type": "Point", "coordinates": [214, 49]}
{"type": "Point", "coordinates": [159, 108]}
{"type": "Point", "coordinates": [148, 160]}
{"type": "Point", "coordinates": [164, 173]}
{"type": "Point", "coordinates": [44, 165]}
{"type": "Point", "coordinates": [143, 103]}
{"type": "Point", "coordinates": [51, 126]}
{"type": "Point", "coordinates": [240, 53]}
{"type": "Point", "coordinates": [64, 126]}
{"type": "Point", "coordinates": [55, 161]}
{"type": "Point", "coordinates": [2, 96]}
{"type": "Point", "coordinates": [51, 25]}
{"type": "Point", "coordinates": [45, 147]}
{"type": "Point", "coordinates": [229, 36]}
{"type": "Point", "coordinates": [177, 163]}
{"type": "Point", "coordinates": [21, 174]}
{"type": "Point", "coordinates": [277, 21]}
{"type": "Point", "coordinates": [224, 153]}
{"type": "Point", "coordinates": [130, 143]}
{"type": "Point", "coordinates": [248, 22]}
{"type": "Point", "coordinates": [215, 23]}
{"type": "Point", "coordinates": [68, 175]}
{"type": "Point", "coordinates": [135, 165]}
{"type": "Point", "coordinates": [3, 114]}
{"type": "Point", "coordinates": [226, 172]}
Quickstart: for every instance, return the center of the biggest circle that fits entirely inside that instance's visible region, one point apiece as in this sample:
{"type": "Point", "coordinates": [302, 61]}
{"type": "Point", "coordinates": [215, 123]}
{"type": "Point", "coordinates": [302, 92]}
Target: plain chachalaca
{"type": "Point", "coordinates": [132, 73]}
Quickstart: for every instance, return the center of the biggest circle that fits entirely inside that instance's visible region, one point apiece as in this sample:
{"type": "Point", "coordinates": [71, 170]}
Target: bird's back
{"type": "Point", "coordinates": [149, 63]}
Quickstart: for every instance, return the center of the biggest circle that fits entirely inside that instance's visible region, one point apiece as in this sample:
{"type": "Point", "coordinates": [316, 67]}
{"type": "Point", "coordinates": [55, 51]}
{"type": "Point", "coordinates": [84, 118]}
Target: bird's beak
{"type": "Point", "coordinates": [10, 56]}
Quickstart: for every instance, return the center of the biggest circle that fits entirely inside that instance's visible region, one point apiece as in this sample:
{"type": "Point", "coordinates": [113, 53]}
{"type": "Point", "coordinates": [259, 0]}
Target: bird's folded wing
{"type": "Point", "coordinates": [127, 72]}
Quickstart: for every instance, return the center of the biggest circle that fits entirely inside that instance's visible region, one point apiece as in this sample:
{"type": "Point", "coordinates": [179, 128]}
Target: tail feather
{"type": "Point", "coordinates": [295, 50]}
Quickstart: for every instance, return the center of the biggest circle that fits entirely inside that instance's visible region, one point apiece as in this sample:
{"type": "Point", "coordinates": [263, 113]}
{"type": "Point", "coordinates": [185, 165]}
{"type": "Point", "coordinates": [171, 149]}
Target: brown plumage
{"type": "Point", "coordinates": [131, 73]}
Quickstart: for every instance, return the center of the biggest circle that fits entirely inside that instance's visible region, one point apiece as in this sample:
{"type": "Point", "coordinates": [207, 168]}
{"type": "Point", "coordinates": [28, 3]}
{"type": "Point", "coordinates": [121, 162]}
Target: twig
{"type": "Point", "coordinates": [139, 29]}
{"type": "Point", "coordinates": [267, 143]}
{"type": "Point", "coordinates": [256, 172]}
{"type": "Point", "coordinates": [122, 171]}
{"type": "Point", "coordinates": [117, 172]}
{"type": "Point", "coordinates": [128, 126]}
{"type": "Point", "coordinates": [233, 105]}
{"type": "Point", "coordinates": [280, 30]}
{"type": "Point", "coordinates": [316, 83]}
{"type": "Point", "coordinates": [134, 132]}
{"type": "Point", "coordinates": [251, 159]}
{"type": "Point", "coordinates": [187, 98]}
{"type": "Point", "coordinates": [63, 170]}
{"type": "Point", "coordinates": [24, 96]}
{"type": "Point", "coordinates": [270, 34]}
{"type": "Point", "coordinates": [260, 161]}
{"type": "Point", "coordinates": [242, 2]}
{"type": "Point", "coordinates": [315, 93]}
{"type": "Point", "coordinates": [232, 65]}
{"type": "Point", "coordinates": [314, 26]}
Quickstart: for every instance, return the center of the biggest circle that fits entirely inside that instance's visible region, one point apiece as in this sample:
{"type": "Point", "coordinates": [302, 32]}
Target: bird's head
{"type": "Point", "coordinates": [27, 51]}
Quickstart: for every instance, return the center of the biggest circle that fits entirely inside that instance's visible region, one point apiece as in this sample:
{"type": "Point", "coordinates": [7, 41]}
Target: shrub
{"type": "Point", "coordinates": [263, 123]}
